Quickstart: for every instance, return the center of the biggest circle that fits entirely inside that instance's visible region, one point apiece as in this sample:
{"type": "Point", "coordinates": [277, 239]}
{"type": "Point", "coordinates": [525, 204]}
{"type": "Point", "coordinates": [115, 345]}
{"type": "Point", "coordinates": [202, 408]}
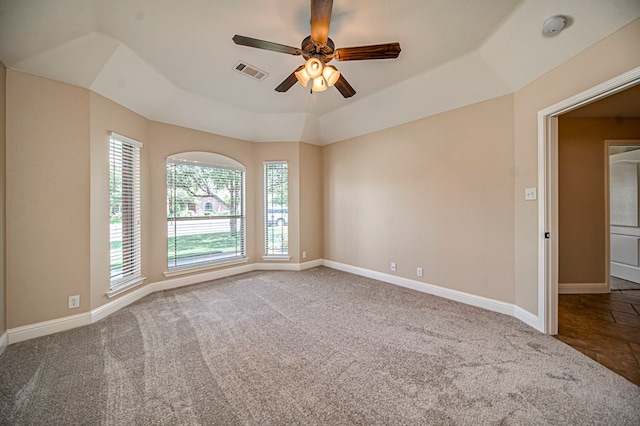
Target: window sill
{"type": "Point", "coordinates": [181, 270]}
{"type": "Point", "coordinates": [126, 286]}
{"type": "Point", "coordinates": [274, 257]}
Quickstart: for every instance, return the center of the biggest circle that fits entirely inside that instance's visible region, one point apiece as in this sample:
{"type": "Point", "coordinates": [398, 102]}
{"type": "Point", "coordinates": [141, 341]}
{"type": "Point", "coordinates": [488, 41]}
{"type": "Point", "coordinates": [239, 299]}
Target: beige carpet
{"type": "Point", "coordinates": [318, 347]}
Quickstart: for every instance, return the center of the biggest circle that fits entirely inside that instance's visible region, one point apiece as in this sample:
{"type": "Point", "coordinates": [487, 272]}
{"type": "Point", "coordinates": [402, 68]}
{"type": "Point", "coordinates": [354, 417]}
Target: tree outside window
{"type": "Point", "coordinates": [197, 232]}
{"type": "Point", "coordinates": [276, 182]}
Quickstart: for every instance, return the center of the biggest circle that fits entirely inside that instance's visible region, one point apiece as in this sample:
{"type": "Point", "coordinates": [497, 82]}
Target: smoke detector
{"type": "Point", "coordinates": [554, 25]}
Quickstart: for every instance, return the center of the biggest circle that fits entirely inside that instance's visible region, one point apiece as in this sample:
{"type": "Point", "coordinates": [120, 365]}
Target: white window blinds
{"type": "Point", "coordinates": [276, 190]}
{"type": "Point", "coordinates": [205, 210]}
{"type": "Point", "coordinates": [124, 202]}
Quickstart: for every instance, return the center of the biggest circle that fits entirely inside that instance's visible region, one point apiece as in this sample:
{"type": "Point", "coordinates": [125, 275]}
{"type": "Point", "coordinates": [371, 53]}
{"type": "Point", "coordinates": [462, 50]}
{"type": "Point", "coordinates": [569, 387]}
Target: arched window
{"type": "Point", "coordinates": [196, 239]}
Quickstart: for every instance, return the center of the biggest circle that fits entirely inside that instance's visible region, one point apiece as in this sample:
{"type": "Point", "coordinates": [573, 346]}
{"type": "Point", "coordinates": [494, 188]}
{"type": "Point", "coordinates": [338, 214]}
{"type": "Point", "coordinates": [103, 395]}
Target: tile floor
{"type": "Point", "coordinates": [605, 327]}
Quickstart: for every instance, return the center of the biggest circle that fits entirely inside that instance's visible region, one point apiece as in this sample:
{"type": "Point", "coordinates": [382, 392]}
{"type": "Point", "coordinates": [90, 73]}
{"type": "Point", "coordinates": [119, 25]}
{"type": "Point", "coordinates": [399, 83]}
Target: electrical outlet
{"type": "Point", "coordinates": [419, 272]}
{"type": "Point", "coordinates": [74, 301]}
{"type": "Point", "coordinates": [530, 194]}
{"type": "Point", "coordinates": [304, 254]}
{"type": "Point", "coordinates": [394, 267]}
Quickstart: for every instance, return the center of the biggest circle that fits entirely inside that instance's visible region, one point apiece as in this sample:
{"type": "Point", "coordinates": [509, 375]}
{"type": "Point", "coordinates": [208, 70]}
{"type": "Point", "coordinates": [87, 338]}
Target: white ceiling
{"type": "Point", "coordinates": [173, 61]}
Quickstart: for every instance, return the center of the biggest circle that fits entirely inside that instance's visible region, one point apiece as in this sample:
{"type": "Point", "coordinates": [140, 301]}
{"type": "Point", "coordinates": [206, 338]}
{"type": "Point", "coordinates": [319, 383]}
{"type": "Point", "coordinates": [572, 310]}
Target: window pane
{"type": "Point", "coordinates": [124, 211]}
{"type": "Point", "coordinates": [276, 182]}
{"type": "Point", "coordinates": [205, 214]}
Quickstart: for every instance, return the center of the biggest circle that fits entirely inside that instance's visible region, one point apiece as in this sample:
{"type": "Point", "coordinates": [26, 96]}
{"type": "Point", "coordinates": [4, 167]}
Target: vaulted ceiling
{"type": "Point", "coordinates": [173, 61]}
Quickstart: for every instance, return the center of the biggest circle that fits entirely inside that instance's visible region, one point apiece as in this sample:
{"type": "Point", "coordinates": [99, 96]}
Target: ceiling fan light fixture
{"type": "Point", "coordinates": [314, 67]}
{"type": "Point", "coordinates": [302, 76]}
{"type": "Point", "coordinates": [319, 84]}
{"type": "Point", "coordinates": [317, 49]}
{"type": "Point", "coordinates": [330, 74]}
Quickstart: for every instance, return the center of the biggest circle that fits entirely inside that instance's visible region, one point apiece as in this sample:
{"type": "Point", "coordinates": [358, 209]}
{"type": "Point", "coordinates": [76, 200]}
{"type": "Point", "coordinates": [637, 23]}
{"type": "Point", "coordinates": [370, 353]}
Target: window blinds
{"type": "Point", "coordinates": [124, 202]}
{"type": "Point", "coordinates": [205, 213]}
{"type": "Point", "coordinates": [276, 190]}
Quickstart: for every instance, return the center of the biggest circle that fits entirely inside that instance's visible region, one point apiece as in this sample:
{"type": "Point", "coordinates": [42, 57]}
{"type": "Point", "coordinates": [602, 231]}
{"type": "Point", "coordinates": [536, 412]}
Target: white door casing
{"type": "Point", "coordinates": [548, 192]}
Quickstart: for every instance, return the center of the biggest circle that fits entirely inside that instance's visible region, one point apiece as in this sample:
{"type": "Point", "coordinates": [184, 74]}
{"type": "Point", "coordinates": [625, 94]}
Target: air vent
{"type": "Point", "coordinates": [250, 71]}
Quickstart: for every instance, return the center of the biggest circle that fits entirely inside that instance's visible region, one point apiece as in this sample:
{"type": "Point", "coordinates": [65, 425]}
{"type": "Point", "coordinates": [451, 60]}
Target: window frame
{"type": "Point", "coordinates": [214, 161]}
{"type": "Point", "coordinates": [125, 152]}
{"type": "Point", "coordinates": [269, 252]}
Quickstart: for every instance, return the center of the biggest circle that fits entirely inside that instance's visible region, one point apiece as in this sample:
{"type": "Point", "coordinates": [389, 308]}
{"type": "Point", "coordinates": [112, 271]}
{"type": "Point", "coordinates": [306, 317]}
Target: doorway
{"type": "Point", "coordinates": [548, 223]}
{"type": "Point", "coordinates": [599, 232]}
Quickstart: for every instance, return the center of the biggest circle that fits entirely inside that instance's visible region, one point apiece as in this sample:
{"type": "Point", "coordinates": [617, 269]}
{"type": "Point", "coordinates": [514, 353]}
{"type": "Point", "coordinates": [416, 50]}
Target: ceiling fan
{"type": "Point", "coordinates": [318, 50]}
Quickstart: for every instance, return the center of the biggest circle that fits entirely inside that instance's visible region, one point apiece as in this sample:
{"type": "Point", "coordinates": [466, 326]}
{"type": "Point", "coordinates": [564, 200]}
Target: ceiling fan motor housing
{"type": "Point", "coordinates": [312, 49]}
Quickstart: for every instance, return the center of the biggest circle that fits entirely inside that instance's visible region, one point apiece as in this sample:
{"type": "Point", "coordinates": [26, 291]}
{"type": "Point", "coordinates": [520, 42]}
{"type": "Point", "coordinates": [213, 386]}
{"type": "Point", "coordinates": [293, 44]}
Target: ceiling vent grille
{"type": "Point", "coordinates": [250, 71]}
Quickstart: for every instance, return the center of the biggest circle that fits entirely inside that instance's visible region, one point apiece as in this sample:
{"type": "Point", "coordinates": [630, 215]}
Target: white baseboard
{"type": "Point", "coordinates": [311, 264]}
{"type": "Point", "coordinates": [276, 266]}
{"type": "Point", "coordinates": [128, 298]}
{"type": "Point", "coordinates": [31, 331]}
{"type": "Point", "coordinates": [583, 288]}
{"type": "Point", "coordinates": [626, 272]}
{"type": "Point", "coordinates": [200, 278]}
{"type": "Point", "coordinates": [528, 318]}
{"type": "Point", "coordinates": [459, 296]}
{"type": "Point", "coordinates": [4, 341]}
{"type": "Point", "coordinates": [116, 304]}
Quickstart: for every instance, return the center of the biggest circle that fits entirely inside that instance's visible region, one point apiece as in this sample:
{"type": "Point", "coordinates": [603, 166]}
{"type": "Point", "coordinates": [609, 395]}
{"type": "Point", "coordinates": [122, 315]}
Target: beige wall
{"type": "Point", "coordinates": [581, 183]}
{"type": "Point", "coordinates": [57, 194]}
{"type": "Point", "coordinates": [311, 202]}
{"type": "Point", "coordinates": [444, 193]}
{"type": "Point", "coordinates": [107, 116]}
{"type": "Point", "coordinates": [605, 60]}
{"type": "Point", "coordinates": [436, 193]}
{"type": "Point", "coordinates": [3, 77]}
{"type": "Point", "coordinates": [47, 196]}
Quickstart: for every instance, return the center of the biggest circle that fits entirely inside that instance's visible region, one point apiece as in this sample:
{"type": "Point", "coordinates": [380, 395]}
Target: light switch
{"type": "Point", "coordinates": [530, 194]}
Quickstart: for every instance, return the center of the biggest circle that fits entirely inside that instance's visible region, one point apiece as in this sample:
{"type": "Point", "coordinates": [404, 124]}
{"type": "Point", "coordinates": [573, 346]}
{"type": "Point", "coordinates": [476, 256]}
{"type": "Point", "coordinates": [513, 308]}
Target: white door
{"type": "Point", "coordinates": [624, 194]}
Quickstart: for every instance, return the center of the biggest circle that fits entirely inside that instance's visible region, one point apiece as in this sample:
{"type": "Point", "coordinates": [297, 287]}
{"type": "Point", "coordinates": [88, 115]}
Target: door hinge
{"type": "Point", "coordinates": [547, 235]}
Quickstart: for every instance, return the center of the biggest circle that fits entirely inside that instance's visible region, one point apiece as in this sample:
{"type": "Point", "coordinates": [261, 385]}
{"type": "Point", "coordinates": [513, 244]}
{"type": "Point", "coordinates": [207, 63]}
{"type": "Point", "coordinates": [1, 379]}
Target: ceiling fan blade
{"type": "Point", "coordinates": [289, 81]}
{"type": "Point", "coordinates": [377, 51]}
{"type": "Point", "coordinates": [266, 45]}
{"type": "Point", "coordinates": [320, 20]}
{"type": "Point", "coordinates": [344, 87]}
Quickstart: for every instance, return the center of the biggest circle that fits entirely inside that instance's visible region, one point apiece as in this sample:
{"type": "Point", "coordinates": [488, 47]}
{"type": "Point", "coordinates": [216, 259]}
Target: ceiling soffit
{"type": "Point", "coordinates": [130, 53]}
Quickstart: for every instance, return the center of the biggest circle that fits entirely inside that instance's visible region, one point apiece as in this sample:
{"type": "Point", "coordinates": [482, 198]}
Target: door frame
{"type": "Point", "coordinates": [548, 252]}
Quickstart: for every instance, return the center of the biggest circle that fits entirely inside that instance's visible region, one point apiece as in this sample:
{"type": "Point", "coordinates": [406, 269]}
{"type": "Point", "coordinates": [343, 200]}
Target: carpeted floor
{"type": "Point", "coordinates": [314, 347]}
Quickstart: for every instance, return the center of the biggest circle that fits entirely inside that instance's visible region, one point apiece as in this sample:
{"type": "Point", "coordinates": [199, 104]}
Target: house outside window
{"type": "Point", "coordinates": [205, 211]}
